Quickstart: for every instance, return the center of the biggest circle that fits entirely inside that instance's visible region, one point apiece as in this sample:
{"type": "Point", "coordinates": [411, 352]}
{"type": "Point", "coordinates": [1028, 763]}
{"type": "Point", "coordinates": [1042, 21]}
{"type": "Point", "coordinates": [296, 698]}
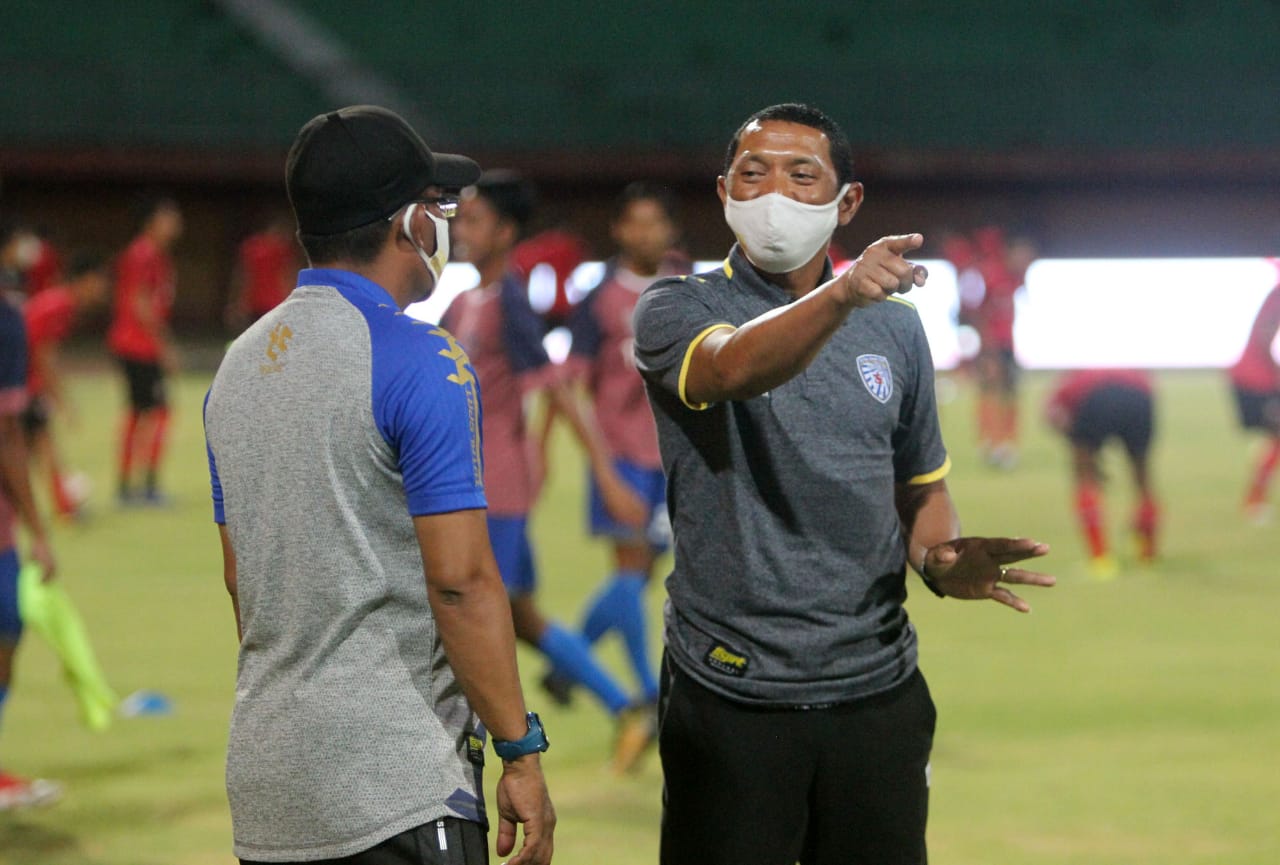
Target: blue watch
{"type": "Point", "coordinates": [530, 743]}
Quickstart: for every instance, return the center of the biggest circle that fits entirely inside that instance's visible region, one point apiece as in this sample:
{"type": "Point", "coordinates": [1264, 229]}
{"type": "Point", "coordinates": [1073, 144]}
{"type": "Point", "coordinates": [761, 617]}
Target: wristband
{"type": "Point", "coordinates": [535, 740]}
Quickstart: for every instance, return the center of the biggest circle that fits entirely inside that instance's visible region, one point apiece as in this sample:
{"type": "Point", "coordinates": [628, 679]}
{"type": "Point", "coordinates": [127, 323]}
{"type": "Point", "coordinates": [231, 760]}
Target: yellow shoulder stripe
{"type": "Point", "coordinates": [728, 269]}
{"type": "Point", "coordinates": [902, 300]}
{"type": "Point", "coordinates": [935, 475]}
{"type": "Point", "coordinates": [688, 355]}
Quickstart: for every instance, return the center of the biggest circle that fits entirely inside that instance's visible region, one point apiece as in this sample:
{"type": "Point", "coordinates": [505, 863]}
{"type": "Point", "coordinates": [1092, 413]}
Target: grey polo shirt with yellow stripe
{"type": "Point", "coordinates": [789, 573]}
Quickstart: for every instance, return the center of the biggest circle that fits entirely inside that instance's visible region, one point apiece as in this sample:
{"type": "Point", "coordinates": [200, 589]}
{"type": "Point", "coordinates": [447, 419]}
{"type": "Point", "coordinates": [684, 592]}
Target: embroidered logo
{"type": "Point", "coordinates": [464, 376]}
{"type": "Point", "coordinates": [876, 375]}
{"type": "Point", "coordinates": [277, 345]}
{"type": "Point", "coordinates": [725, 660]}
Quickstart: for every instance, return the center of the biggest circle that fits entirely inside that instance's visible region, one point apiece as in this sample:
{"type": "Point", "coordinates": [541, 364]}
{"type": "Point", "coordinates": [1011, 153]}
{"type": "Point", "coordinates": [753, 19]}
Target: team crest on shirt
{"type": "Point", "coordinates": [876, 375]}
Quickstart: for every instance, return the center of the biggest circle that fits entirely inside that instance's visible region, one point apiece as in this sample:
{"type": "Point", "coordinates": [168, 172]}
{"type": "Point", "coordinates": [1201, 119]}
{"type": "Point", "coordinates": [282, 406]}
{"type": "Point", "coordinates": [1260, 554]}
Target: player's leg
{"type": "Point", "coordinates": [157, 411]}
{"type": "Point", "coordinates": [1005, 452]}
{"type": "Point", "coordinates": [1090, 427]}
{"type": "Point", "coordinates": [127, 458]}
{"type": "Point", "coordinates": [1136, 435]}
{"type": "Point", "coordinates": [619, 603]}
{"type": "Point", "coordinates": [38, 424]}
{"type": "Point", "coordinates": [987, 368]}
{"type": "Point", "coordinates": [566, 650]}
{"type": "Point", "coordinates": [736, 778]}
{"type": "Point", "coordinates": [871, 792]}
{"type": "Point", "coordinates": [1265, 416]}
{"type": "Point", "coordinates": [15, 792]}
{"type": "Point", "coordinates": [10, 620]}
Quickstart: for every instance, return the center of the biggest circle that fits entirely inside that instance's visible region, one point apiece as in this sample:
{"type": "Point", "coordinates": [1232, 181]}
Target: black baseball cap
{"type": "Point", "coordinates": [359, 164]}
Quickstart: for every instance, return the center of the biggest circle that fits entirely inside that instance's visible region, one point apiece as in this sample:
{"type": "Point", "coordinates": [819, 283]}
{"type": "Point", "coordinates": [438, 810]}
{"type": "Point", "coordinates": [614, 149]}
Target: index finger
{"type": "Point", "coordinates": [901, 243]}
{"type": "Point", "coordinates": [1008, 550]}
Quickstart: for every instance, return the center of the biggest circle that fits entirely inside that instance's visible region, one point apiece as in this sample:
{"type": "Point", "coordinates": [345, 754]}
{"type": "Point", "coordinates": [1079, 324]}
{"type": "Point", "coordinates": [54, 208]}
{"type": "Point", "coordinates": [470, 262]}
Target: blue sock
{"type": "Point", "coordinates": [608, 609]}
{"type": "Point", "coordinates": [635, 632]}
{"type": "Point", "coordinates": [4, 695]}
{"type": "Point", "coordinates": [620, 605]}
{"type": "Point", "coordinates": [570, 654]}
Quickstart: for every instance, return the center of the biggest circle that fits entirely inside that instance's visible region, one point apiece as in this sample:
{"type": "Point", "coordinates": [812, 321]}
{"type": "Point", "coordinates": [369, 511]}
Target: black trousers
{"type": "Point", "coordinates": [441, 842]}
{"type": "Point", "coordinates": [842, 785]}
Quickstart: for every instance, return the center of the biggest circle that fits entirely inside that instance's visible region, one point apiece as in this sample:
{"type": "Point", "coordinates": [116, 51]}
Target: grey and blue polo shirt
{"type": "Point", "coordinates": [331, 423]}
{"type": "Point", "coordinates": [789, 573]}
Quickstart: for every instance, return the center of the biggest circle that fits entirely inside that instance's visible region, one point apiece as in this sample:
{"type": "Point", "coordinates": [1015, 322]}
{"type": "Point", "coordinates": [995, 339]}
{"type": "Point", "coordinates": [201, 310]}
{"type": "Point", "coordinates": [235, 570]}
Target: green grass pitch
{"type": "Point", "coordinates": [1130, 722]}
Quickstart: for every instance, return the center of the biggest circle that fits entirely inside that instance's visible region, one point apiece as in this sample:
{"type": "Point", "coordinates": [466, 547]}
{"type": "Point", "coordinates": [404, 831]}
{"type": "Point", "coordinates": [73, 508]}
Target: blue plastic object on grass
{"type": "Point", "coordinates": [144, 703]}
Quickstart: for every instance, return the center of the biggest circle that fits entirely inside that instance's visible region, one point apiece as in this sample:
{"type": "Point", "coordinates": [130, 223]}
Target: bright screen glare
{"type": "Point", "coordinates": [1073, 313]}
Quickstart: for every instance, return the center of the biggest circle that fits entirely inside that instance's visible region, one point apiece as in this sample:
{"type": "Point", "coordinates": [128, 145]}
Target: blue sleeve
{"type": "Point", "coordinates": [13, 348]}
{"type": "Point", "coordinates": [522, 329]}
{"type": "Point", "coordinates": [219, 511]}
{"type": "Point", "coordinates": [584, 327]}
{"type": "Point", "coordinates": [426, 403]}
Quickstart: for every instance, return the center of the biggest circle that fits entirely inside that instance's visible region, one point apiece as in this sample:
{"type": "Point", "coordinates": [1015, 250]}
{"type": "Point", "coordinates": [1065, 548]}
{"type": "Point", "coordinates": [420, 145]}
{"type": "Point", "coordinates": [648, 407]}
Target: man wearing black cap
{"type": "Point", "coordinates": [344, 451]}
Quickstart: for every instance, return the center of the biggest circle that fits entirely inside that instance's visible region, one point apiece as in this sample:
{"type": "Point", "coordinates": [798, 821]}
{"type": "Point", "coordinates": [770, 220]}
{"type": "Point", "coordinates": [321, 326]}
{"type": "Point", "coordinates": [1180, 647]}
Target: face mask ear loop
{"type": "Point", "coordinates": [406, 224]}
{"type": "Point", "coordinates": [435, 262]}
{"type": "Point", "coordinates": [440, 257]}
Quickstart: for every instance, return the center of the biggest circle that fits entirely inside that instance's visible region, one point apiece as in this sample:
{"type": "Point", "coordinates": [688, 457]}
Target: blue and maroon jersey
{"type": "Point", "coordinates": [503, 336]}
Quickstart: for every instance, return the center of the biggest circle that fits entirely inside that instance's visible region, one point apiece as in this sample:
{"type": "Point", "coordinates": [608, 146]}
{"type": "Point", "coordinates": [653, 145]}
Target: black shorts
{"type": "Point", "coordinates": [821, 786]}
{"type": "Point", "coordinates": [998, 370]}
{"type": "Point", "coordinates": [1258, 409]}
{"type": "Point", "coordinates": [1115, 411]}
{"type": "Point", "coordinates": [35, 419]}
{"type": "Point", "coordinates": [146, 382]}
{"type": "Point", "coordinates": [441, 842]}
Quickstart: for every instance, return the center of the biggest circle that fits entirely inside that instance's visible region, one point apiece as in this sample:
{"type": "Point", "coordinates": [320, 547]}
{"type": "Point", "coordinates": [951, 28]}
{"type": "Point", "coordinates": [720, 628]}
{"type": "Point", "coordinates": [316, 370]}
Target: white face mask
{"type": "Point", "coordinates": [780, 234]}
{"type": "Point", "coordinates": [435, 263]}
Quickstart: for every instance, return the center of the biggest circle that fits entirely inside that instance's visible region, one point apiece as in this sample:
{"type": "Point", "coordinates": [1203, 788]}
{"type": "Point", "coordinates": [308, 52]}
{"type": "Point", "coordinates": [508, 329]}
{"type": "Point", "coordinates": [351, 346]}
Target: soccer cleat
{"type": "Point", "coordinates": [637, 731]}
{"type": "Point", "coordinates": [1103, 568]}
{"type": "Point", "coordinates": [18, 792]}
{"type": "Point", "coordinates": [557, 686]}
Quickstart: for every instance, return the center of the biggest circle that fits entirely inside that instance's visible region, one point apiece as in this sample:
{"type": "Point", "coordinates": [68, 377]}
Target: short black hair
{"type": "Point", "coordinates": [148, 204]}
{"type": "Point", "coordinates": [360, 245]}
{"type": "Point", "coordinates": [805, 115]}
{"type": "Point", "coordinates": [510, 194]}
{"type": "Point", "coordinates": [644, 190]}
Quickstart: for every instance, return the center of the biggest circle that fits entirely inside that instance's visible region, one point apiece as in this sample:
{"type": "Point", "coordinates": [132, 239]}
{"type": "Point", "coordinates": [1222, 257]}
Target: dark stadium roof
{"type": "Point", "coordinates": [663, 80]}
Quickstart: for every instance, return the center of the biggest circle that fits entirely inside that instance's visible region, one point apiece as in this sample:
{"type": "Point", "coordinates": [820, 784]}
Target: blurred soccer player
{"type": "Point", "coordinates": [1090, 407]}
{"type": "Point", "coordinates": [19, 250]}
{"type": "Point", "coordinates": [139, 338]}
{"type": "Point", "coordinates": [503, 335]}
{"type": "Point", "coordinates": [17, 501]}
{"type": "Point", "coordinates": [1001, 268]}
{"type": "Point", "coordinates": [644, 229]}
{"type": "Point", "coordinates": [547, 260]}
{"type": "Point", "coordinates": [50, 316]}
{"type": "Point", "coordinates": [266, 264]}
{"type": "Point", "coordinates": [46, 270]}
{"type": "Point", "coordinates": [376, 646]}
{"type": "Point", "coordinates": [1255, 378]}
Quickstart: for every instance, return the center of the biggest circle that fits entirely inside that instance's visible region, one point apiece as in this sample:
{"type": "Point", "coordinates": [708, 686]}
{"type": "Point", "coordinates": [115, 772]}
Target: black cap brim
{"type": "Point", "coordinates": [454, 171]}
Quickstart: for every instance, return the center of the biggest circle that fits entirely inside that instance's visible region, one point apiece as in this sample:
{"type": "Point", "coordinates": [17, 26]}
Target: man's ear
{"type": "Point", "coordinates": [850, 203]}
